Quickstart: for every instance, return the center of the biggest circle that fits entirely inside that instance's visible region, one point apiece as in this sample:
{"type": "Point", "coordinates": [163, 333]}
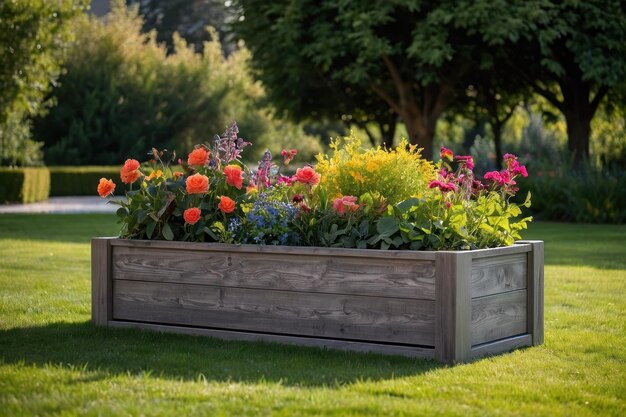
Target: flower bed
{"type": "Point", "coordinates": [289, 258]}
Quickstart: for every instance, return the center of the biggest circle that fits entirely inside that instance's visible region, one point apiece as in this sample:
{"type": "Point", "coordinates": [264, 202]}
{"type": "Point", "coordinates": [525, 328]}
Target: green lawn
{"type": "Point", "coordinates": [54, 362]}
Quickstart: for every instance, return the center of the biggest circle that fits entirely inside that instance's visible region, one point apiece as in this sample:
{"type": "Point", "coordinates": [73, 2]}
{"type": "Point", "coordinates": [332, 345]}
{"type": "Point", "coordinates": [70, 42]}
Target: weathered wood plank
{"type": "Point", "coordinates": [400, 278]}
{"type": "Point", "coordinates": [295, 313]}
{"type": "Point", "coordinates": [504, 250]}
{"type": "Point", "coordinates": [452, 306]}
{"type": "Point", "coordinates": [291, 250]}
{"type": "Point", "coordinates": [535, 291]}
{"type": "Point", "coordinates": [498, 316]}
{"type": "Point", "coordinates": [410, 351]}
{"type": "Point", "coordinates": [101, 306]}
{"type": "Point", "coordinates": [497, 274]}
{"type": "Point", "coordinates": [501, 346]}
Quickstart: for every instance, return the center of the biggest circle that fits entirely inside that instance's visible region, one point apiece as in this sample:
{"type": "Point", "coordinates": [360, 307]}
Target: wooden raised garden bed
{"type": "Point", "coordinates": [451, 306]}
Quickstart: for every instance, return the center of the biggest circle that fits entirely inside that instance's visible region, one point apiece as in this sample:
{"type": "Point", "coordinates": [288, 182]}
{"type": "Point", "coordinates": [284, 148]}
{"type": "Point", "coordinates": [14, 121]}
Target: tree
{"type": "Point", "coordinates": [33, 36]}
{"type": "Point", "coordinates": [188, 18]}
{"type": "Point", "coordinates": [392, 49]}
{"type": "Point", "coordinates": [572, 53]}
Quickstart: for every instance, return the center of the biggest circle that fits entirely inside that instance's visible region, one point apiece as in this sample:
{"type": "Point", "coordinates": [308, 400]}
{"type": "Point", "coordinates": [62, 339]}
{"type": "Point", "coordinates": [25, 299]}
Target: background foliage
{"type": "Point", "coordinates": [34, 35]}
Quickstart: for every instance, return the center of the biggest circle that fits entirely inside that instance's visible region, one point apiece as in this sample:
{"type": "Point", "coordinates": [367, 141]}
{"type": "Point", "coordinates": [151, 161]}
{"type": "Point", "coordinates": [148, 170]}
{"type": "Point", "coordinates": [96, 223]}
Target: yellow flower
{"type": "Point", "coordinates": [155, 174]}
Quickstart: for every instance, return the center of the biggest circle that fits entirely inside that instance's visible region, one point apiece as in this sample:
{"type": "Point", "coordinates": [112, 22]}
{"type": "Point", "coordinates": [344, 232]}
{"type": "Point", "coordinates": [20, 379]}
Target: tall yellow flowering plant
{"type": "Point", "coordinates": [394, 175]}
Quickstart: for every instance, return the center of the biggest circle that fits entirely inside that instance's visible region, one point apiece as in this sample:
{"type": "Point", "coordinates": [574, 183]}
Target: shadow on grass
{"type": "Point", "coordinates": [114, 351]}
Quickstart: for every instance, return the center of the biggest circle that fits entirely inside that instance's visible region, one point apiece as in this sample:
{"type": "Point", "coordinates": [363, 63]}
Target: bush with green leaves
{"type": "Point", "coordinates": [122, 93]}
{"type": "Point", "coordinates": [34, 35]}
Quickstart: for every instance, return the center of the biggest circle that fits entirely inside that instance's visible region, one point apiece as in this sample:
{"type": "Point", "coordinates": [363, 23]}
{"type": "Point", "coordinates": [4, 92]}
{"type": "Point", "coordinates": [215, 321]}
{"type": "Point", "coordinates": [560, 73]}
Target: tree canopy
{"type": "Point", "coordinates": [417, 57]}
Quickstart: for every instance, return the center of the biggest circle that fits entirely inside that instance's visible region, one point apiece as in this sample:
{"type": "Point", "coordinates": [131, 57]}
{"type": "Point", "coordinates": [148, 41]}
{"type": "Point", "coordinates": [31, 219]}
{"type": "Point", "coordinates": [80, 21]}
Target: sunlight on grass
{"type": "Point", "coordinates": [54, 361]}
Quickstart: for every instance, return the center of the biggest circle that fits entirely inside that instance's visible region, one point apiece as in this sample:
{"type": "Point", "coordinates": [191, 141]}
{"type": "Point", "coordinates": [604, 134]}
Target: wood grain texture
{"type": "Point", "coordinates": [410, 351]}
{"type": "Point", "coordinates": [498, 316]}
{"type": "Point", "coordinates": [504, 250]}
{"type": "Point", "coordinates": [101, 300]}
{"type": "Point", "coordinates": [501, 346]}
{"type": "Point", "coordinates": [535, 291]}
{"type": "Point", "coordinates": [452, 306]}
{"type": "Point", "coordinates": [497, 274]}
{"type": "Point", "coordinates": [324, 274]}
{"type": "Point", "coordinates": [389, 320]}
{"type": "Point", "coordinates": [287, 250]}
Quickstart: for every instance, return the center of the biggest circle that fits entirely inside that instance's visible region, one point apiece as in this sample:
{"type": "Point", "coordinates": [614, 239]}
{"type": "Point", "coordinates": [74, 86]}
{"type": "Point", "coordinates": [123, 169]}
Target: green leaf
{"type": "Point", "coordinates": [121, 212]}
{"type": "Point", "coordinates": [406, 205]}
{"type": "Point", "coordinates": [150, 229]}
{"type": "Point", "coordinates": [387, 226]}
{"type": "Point", "coordinates": [167, 232]}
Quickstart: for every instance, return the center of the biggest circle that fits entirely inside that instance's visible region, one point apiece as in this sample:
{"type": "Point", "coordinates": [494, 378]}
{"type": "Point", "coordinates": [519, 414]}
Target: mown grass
{"type": "Point", "coordinates": [53, 361]}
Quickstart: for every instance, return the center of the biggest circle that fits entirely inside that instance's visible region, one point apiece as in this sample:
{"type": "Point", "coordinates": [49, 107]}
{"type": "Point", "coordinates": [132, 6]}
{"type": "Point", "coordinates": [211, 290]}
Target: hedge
{"type": "Point", "coordinates": [24, 185]}
{"type": "Point", "coordinates": [77, 180]}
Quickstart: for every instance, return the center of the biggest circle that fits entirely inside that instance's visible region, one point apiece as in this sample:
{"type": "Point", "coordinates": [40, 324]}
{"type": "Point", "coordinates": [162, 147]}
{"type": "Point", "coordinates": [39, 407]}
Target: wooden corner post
{"type": "Point", "coordinates": [535, 291]}
{"type": "Point", "coordinates": [101, 308]}
{"type": "Point", "coordinates": [453, 308]}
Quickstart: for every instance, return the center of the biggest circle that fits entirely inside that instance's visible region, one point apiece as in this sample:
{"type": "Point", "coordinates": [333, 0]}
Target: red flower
{"type": "Point", "coordinates": [192, 215]}
{"type": "Point", "coordinates": [288, 155]}
{"type": "Point", "coordinates": [340, 205]}
{"type": "Point", "coordinates": [446, 153]}
{"type": "Point", "coordinates": [234, 176]}
{"type": "Point", "coordinates": [226, 205]}
{"type": "Point", "coordinates": [198, 156]}
{"type": "Point", "coordinates": [130, 171]}
{"type": "Point", "coordinates": [197, 184]}
{"type": "Point", "coordinates": [105, 187]}
{"type": "Point", "coordinates": [307, 175]}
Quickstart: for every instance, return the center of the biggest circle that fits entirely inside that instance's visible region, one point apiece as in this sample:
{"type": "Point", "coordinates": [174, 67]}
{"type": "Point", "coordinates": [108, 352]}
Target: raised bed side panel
{"type": "Point", "coordinates": [535, 290]}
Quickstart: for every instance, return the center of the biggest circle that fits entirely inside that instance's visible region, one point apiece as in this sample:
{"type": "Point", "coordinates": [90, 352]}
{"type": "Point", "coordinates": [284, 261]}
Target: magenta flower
{"type": "Point", "coordinates": [442, 185]}
{"type": "Point", "coordinates": [466, 160]}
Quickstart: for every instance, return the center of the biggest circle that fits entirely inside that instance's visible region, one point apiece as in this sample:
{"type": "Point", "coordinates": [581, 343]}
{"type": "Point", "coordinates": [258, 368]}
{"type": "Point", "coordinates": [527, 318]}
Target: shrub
{"type": "Point", "coordinates": [24, 185]}
{"type": "Point", "coordinates": [394, 175]}
{"type": "Point", "coordinates": [587, 195]}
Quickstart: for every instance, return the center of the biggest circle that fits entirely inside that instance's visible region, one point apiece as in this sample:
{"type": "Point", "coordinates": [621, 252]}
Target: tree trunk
{"type": "Point", "coordinates": [496, 129]}
{"type": "Point", "coordinates": [387, 132]}
{"type": "Point", "coordinates": [578, 112]}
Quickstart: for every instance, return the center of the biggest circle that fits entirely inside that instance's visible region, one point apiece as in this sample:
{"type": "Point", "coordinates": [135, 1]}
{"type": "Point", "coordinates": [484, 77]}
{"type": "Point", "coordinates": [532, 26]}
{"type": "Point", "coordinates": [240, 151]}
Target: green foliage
{"type": "Point", "coordinates": [33, 37]}
{"type": "Point", "coordinates": [24, 185]}
{"type": "Point", "coordinates": [73, 180]}
{"type": "Point", "coordinates": [122, 94]}
{"type": "Point", "coordinates": [586, 195]}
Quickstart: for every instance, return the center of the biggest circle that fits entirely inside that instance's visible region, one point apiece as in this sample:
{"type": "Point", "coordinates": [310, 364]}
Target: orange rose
{"type": "Point", "coordinates": [177, 174]}
{"type": "Point", "coordinates": [130, 171]}
{"type": "Point", "coordinates": [197, 184]}
{"type": "Point", "coordinates": [234, 176]}
{"type": "Point", "coordinates": [105, 187]}
{"type": "Point", "coordinates": [307, 175]}
{"type": "Point", "coordinates": [192, 215]}
{"type": "Point", "coordinates": [198, 156]}
{"type": "Point", "coordinates": [226, 205]}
